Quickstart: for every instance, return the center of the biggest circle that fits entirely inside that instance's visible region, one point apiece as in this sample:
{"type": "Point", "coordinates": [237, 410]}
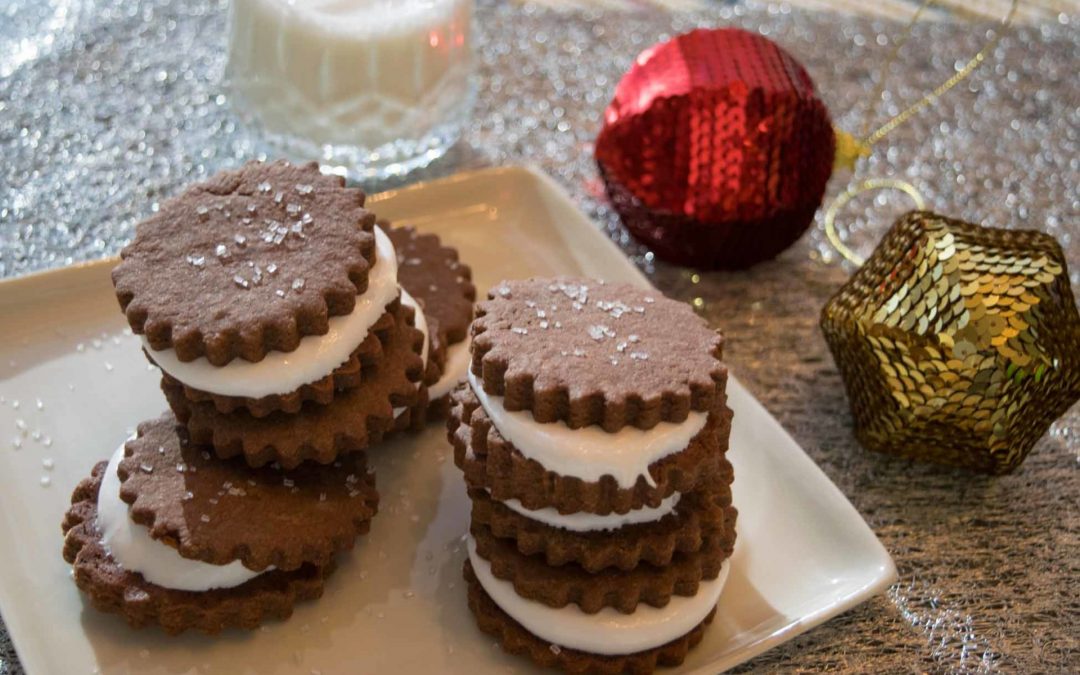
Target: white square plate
{"type": "Point", "coordinates": [74, 384]}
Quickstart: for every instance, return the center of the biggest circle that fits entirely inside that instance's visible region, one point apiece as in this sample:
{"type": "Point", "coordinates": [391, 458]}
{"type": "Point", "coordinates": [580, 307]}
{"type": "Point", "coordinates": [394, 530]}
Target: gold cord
{"type": "Point", "coordinates": [948, 84]}
{"type": "Point", "coordinates": [898, 43]}
{"type": "Point", "coordinates": [850, 149]}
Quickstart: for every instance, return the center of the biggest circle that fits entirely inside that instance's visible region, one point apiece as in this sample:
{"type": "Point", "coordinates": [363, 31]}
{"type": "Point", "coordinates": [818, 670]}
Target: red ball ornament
{"type": "Point", "coordinates": [716, 150]}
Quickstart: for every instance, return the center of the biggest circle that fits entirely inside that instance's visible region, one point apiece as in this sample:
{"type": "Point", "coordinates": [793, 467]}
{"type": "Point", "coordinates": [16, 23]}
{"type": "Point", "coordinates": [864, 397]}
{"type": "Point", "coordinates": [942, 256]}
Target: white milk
{"type": "Point", "coordinates": [375, 82]}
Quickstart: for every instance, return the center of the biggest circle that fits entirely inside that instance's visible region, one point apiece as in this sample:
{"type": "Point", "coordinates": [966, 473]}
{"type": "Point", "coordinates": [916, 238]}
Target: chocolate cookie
{"type": "Point", "coordinates": [219, 511]}
{"type": "Point", "coordinates": [439, 408]}
{"type": "Point", "coordinates": [346, 376]}
{"type": "Point", "coordinates": [433, 275]}
{"type": "Point", "coordinates": [413, 419]}
{"type": "Point", "coordinates": [593, 353]}
{"type": "Point", "coordinates": [559, 586]}
{"type": "Point", "coordinates": [115, 590]}
{"type": "Point", "coordinates": [491, 462]}
{"type": "Point", "coordinates": [248, 262]}
{"type": "Point", "coordinates": [436, 353]}
{"type": "Point", "coordinates": [354, 420]}
{"type": "Point", "coordinates": [517, 640]}
{"type": "Point", "coordinates": [697, 516]}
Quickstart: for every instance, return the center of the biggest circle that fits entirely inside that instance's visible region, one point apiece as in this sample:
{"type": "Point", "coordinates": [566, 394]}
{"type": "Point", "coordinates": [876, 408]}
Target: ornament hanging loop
{"type": "Point", "coordinates": [853, 191]}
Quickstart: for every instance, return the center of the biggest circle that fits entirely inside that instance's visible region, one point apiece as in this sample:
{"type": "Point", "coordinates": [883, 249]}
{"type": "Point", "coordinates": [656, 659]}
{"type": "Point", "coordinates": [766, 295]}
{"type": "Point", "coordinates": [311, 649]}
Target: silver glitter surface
{"type": "Point", "coordinates": [107, 107]}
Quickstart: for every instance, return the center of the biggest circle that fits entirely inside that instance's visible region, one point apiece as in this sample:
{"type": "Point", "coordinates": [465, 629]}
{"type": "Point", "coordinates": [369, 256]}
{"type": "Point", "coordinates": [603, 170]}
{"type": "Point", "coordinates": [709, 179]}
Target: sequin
{"type": "Point", "coordinates": [940, 361]}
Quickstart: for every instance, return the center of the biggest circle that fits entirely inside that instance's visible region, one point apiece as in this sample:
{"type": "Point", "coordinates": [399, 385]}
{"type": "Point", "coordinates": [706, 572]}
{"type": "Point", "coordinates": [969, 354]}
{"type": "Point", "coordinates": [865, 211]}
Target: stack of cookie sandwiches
{"type": "Point", "coordinates": [270, 301]}
{"type": "Point", "coordinates": [592, 434]}
{"type": "Point", "coordinates": [293, 341]}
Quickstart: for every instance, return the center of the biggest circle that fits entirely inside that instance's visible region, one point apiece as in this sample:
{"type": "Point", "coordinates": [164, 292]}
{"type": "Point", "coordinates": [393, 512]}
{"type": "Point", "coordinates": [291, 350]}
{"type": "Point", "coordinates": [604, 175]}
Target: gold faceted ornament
{"type": "Point", "coordinates": [958, 344]}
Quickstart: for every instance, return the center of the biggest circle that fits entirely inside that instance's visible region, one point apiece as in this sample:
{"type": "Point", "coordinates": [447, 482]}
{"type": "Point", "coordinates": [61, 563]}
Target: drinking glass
{"type": "Point", "coordinates": [372, 88]}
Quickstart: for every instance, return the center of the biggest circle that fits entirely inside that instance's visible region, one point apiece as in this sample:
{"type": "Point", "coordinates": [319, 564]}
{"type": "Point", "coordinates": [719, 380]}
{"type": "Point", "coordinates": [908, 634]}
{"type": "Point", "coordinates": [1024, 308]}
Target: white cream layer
{"type": "Point", "coordinates": [317, 355]}
{"type": "Point", "coordinates": [421, 325]}
{"type": "Point", "coordinates": [132, 547]}
{"type": "Point", "coordinates": [457, 363]}
{"type": "Point", "coordinates": [590, 452]}
{"type": "Point", "coordinates": [592, 522]}
{"type": "Point", "coordinates": [609, 632]}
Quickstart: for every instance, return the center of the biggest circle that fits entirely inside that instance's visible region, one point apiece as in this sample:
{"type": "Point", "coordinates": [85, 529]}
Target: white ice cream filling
{"type": "Point", "coordinates": [317, 355]}
{"type": "Point", "coordinates": [609, 632]}
{"type": "Point", "coordinates": [457, 363]}
{"type": "Point", "coordinates": [132, 547]}
{"type": "Point", "coordinates": [589, 453]}
{"type": "Point", "coordinates": [592, 522]}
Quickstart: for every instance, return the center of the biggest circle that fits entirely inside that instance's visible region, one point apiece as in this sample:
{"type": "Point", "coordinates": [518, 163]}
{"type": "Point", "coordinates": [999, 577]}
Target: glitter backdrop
{"type": "Point", "coordinates": [108, 107]}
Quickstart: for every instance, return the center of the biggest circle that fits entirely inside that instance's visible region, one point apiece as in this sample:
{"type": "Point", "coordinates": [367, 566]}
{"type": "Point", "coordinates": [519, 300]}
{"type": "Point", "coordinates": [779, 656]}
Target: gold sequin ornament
{"type": "Point", "coordinates": [958, 344]}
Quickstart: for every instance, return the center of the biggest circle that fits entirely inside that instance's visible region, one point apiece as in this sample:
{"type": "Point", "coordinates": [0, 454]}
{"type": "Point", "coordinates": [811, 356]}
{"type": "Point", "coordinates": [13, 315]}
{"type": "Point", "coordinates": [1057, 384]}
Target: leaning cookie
{"type": "Point", "coordinates": [433, 274]}
{"type": "Point", "coordinates": [413, 417]}
{"type": "Point", "coordinates": [114, 589]}
{"type": "Point", "coordinates": [219, 511]}
{"type": "Point", "coordinates": [125, 570]}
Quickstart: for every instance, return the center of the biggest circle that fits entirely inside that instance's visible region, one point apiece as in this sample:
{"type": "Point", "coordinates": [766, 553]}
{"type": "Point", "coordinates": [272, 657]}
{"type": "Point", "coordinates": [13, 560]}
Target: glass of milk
{"type": "Point", "coordinates": [372, 88]}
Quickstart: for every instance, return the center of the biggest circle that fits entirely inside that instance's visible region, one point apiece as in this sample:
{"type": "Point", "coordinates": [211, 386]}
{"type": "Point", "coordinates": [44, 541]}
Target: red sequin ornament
{"type": "Point", "coordinates": [716, 150]}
